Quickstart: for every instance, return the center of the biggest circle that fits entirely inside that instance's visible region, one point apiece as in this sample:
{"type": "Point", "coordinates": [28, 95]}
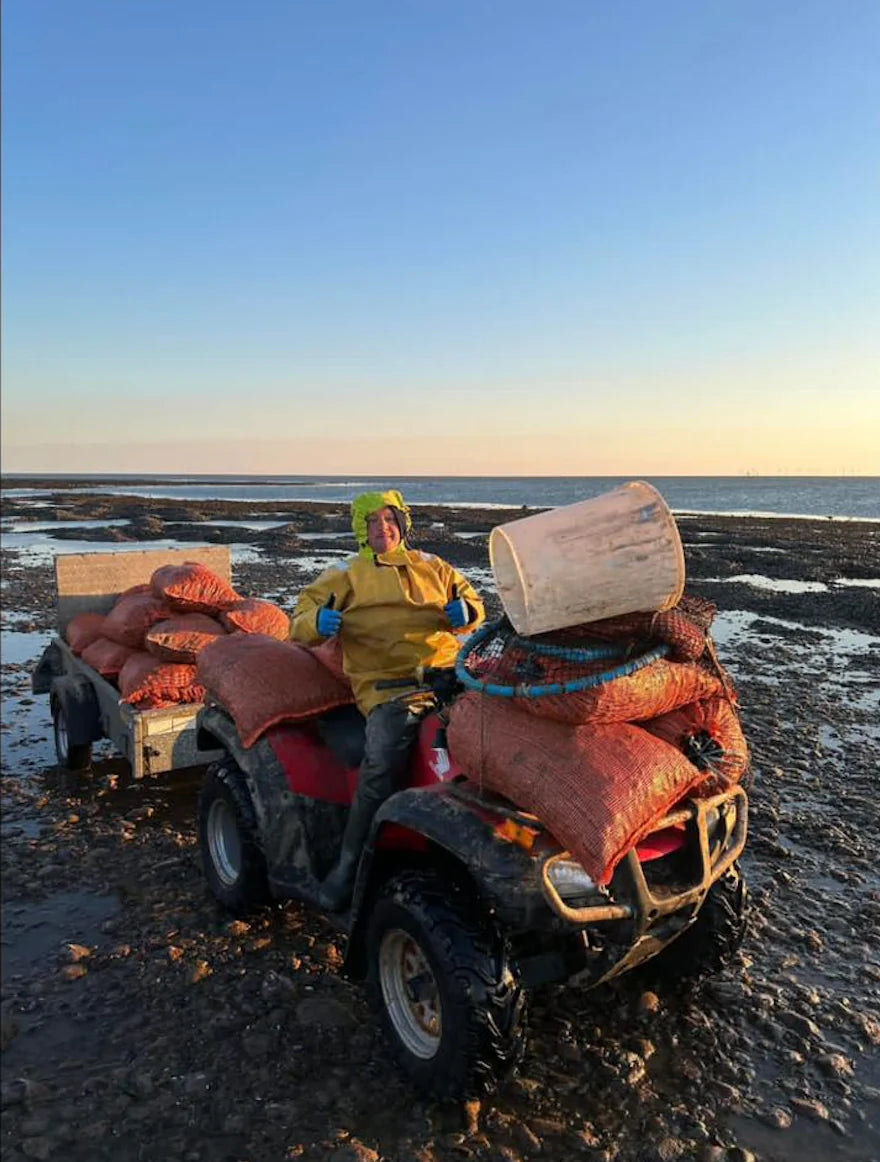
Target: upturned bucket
{"type": "Point", "coordinates": [619, 552]}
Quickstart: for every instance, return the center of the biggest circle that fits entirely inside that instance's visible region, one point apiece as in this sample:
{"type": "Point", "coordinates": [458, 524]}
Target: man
{"type": "Point", "coordinates": [395, 609]}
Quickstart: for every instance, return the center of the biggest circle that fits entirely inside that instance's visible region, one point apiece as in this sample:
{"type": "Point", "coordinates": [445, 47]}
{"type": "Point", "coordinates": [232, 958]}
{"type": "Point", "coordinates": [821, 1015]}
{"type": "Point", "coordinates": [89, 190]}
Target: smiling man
{"type": "Point", "coordinates": [395, 609]}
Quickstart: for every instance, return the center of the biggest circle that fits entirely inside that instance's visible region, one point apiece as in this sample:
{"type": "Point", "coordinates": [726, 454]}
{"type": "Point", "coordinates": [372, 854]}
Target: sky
{"type": "Point", "coordinates": [580, 237]}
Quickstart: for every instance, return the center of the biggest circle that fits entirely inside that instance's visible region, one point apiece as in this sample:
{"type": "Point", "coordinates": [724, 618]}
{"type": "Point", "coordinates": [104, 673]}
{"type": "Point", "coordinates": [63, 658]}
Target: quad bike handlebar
{"type": "Point", "coordinates": [439, 681]}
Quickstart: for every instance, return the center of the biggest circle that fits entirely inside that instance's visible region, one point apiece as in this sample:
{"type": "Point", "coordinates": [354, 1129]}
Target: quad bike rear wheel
{"type": "Point", "coordinates": [712, 940]}
{"type": "Point", "coordinates": [448, 999]}
{"type": "Point", "coordinates": [234, 864]}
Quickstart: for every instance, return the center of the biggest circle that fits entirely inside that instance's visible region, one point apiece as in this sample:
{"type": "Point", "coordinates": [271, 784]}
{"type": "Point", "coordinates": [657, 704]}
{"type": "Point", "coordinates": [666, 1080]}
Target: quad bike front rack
{"type": "Point", "coordinates": [646, 907]}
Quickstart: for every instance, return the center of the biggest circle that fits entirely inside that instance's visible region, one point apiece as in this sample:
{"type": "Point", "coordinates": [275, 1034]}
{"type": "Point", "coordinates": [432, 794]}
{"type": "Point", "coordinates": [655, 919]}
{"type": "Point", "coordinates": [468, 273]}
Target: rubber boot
{"type": "Point", "coordinates": [390, 732]}
{"type": "Point", "coordinates": [335, 891]}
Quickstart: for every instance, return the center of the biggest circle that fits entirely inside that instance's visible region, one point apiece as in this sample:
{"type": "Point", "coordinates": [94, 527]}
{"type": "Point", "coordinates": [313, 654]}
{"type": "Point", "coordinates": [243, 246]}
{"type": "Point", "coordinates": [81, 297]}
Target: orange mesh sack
{"type": "Point", "coordinates": [671, 627]}
{"type": "Point", "coordinates": [686, 640]}
{"type": "Point", "coordinates": [656, 689]}
{"type": "Point", "coordinates": [182, 639]}
{"type": "Point", "coordinates": [599, 789]}
{"type": "Point", "coordinates": [261, 681]}
{"type": "Point", "coordinates": [132, 615]}
{"type": "Point", "coordinates": [133, 589]}
{"type": "Point", "coordinates": [684, 628]}
{"type": "Point", "coordinates": [147, 683]}
{"type": "Point", "coordinates": [329, 654]}
{"type": "Point", "coordinates": [83, 629]}
{"type": "Point", "coordinates": [251, 615]}
{"type": "Point", "coordinates": [106, 657]}
{"type": "Point", "coordinates": [710, 734]}
{"type": "Point", "coordinates": [193, 588]}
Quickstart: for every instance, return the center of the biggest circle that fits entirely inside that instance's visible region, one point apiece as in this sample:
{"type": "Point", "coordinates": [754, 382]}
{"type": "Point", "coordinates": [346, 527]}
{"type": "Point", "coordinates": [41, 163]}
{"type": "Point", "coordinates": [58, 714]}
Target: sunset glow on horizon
{"type": "Point", "coordinates": [626, 240]}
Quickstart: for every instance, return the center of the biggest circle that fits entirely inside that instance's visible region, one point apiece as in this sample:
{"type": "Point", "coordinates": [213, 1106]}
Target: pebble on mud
{"type": "Point", "coordinates": [811, 1107]}
{"type": "Point", "coordinates": [354, 1151]}
{"type": "Point", "coordinates": [72, 972]}
{"type": "Point", "coordinates": [835, 1064]}
{"type": "Point", "coordinates": [200, 971]}
{"type": "Point", "coordinates": [472, 1116]}
{"type": "Point", "coordinates": [778, 1118]}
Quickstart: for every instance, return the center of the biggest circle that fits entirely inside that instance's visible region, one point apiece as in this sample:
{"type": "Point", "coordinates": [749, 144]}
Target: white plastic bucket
{"type": "Point", "coordinates": [616, 553]}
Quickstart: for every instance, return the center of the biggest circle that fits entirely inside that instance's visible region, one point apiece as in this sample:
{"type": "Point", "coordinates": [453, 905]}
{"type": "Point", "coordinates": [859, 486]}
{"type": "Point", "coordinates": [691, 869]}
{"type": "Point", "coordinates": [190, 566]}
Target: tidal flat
{"type": "Point", "coordinates": [140, 1022]}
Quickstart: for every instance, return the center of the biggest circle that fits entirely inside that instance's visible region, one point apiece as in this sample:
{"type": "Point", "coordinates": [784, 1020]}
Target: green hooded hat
{"type": "Point", "coordinates": [369, 502]}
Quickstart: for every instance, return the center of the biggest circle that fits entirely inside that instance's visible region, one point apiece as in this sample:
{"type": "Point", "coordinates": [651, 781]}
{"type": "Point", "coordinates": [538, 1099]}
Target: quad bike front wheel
{"type": "Point", "coordinates": [447, 998]}
{"type": "Point", "coordinates": [234, 864]}
{"type": "Point", "coordinates": [712, 940]}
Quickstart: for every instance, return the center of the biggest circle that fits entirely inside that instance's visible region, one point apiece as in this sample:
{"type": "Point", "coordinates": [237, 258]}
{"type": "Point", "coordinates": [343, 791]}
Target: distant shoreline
{"type": "Point", "coordinates": [840, 555]}
{"type": "Point", "coordinates": [80, 480]}
{"type": "Point", "coordinates": [477, 494]}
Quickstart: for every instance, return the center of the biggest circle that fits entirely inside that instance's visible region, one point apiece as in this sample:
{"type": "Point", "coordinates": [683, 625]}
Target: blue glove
{"type": "Point", "coordinates": [458, 613]}
{"type": "Point", "coordinates": [329, 621]}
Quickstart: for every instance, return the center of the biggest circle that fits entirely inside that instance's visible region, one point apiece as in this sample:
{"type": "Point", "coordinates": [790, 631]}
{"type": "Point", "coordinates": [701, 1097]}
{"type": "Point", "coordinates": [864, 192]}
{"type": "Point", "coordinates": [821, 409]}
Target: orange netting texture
{"type": "Point", "coordinates": [193, 588]}
{"type": "Point", "coordinates": [262, 682]}
{"type": "Point", "coordinates": [83, 629]}
{"type": "Point", "coordinates": [182, 638]}
{"type": "Point", "coordinates": [252, 615]}
{"type": "Point", "coordinates": [147, 683]}
{"type": "Point", "coordinates": [598, 789]}
{"type": "Point", "coordinates": [600, 766]}
{"type": "Point", "coordinates": [149, 641]}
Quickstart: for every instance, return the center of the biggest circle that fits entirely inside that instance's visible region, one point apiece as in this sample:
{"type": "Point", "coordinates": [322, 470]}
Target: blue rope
{"type": "Point", "coordinates": [524, 690]}
{"type": "Point", "coordinates": [569, 653]}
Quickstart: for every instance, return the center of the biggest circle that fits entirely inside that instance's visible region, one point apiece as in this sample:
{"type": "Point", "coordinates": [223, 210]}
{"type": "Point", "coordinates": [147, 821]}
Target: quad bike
{"type": "Point", "coordinates": [462, 903]}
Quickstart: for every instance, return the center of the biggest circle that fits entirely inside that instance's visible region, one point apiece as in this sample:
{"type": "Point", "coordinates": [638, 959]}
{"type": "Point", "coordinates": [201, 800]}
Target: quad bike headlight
{"type": "Point", "coordinates": [720, 822]}
{"type": "Point", "coordinates": [570, 879]}
{"type": "Point", "coordinates": [713, 816]}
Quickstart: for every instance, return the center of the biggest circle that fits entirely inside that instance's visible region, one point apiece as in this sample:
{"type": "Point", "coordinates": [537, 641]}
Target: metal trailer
{"type": "Point", "coordinates": [86, 706]}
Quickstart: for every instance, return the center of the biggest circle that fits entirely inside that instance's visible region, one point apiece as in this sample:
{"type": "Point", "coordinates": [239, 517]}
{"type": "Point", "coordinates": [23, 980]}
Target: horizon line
{"type": "Point", "coordinates": [305, 477]}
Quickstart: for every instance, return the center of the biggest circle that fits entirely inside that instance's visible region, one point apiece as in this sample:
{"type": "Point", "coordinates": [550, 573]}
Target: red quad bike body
{"type": "Point", "coordinates": [463, 903]}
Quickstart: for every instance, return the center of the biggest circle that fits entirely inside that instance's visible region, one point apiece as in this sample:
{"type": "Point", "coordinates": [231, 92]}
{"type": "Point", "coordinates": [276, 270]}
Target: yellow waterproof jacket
{"type": "Point", "coordinates": [392, 616]}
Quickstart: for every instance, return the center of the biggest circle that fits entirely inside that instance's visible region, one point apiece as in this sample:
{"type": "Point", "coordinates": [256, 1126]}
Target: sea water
{"type": "Point", "coordinates": [855, 497]}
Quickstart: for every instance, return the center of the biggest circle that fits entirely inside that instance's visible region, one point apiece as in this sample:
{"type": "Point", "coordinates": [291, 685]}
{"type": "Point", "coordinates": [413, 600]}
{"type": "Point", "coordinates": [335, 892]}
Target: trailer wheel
{"type": "Point", "coordinates": [233, 860]}
{"type": "Point", "coordinates": [447, 997]}
{"type": "Point", "coordinates": [71, 756]}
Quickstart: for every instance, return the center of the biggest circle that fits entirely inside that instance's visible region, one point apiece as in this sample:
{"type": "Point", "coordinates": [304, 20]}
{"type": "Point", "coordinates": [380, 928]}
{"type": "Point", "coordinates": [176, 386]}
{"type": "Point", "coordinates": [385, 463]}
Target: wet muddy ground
{"type": "Point", "coordinates": [140, 1022]}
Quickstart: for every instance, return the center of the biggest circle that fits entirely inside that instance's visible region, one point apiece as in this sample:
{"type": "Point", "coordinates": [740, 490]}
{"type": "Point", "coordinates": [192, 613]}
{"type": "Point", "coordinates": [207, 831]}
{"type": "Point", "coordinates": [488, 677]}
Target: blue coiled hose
{"type": "Point", "coordinates": [524, 690]}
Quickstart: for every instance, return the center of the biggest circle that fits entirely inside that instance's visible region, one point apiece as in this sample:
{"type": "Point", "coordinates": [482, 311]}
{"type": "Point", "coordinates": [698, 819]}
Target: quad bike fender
{"type": "Point", "coordinates": [267, 792]}
{"type": "Point", "coordinates": [215, 726]}
{"type": "Point", "coordinates": [449, 823]}
{"type": "Point", "coordinates": [280, 814]}
{"type": "Point", "coordinates": [77, 699]}
{"type": "Point", "coordinates": [430, 825]}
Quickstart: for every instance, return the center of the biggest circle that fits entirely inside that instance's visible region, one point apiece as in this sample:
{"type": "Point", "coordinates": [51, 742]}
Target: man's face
{"type": "Point", "coordinates": [383, 535]}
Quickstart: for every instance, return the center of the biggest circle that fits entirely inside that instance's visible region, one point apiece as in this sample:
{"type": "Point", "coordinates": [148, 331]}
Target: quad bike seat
{"type": "Point", "coordinates": [343, 730]}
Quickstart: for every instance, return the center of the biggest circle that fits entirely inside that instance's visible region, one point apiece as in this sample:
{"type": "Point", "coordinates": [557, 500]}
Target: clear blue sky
{"type": "Point", "coordinates": [590, 236]}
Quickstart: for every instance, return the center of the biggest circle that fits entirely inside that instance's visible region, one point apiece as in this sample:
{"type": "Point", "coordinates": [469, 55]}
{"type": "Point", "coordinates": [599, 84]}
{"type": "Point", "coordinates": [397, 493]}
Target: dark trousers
{"type": "Point", "coordinates": [390, 733]}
